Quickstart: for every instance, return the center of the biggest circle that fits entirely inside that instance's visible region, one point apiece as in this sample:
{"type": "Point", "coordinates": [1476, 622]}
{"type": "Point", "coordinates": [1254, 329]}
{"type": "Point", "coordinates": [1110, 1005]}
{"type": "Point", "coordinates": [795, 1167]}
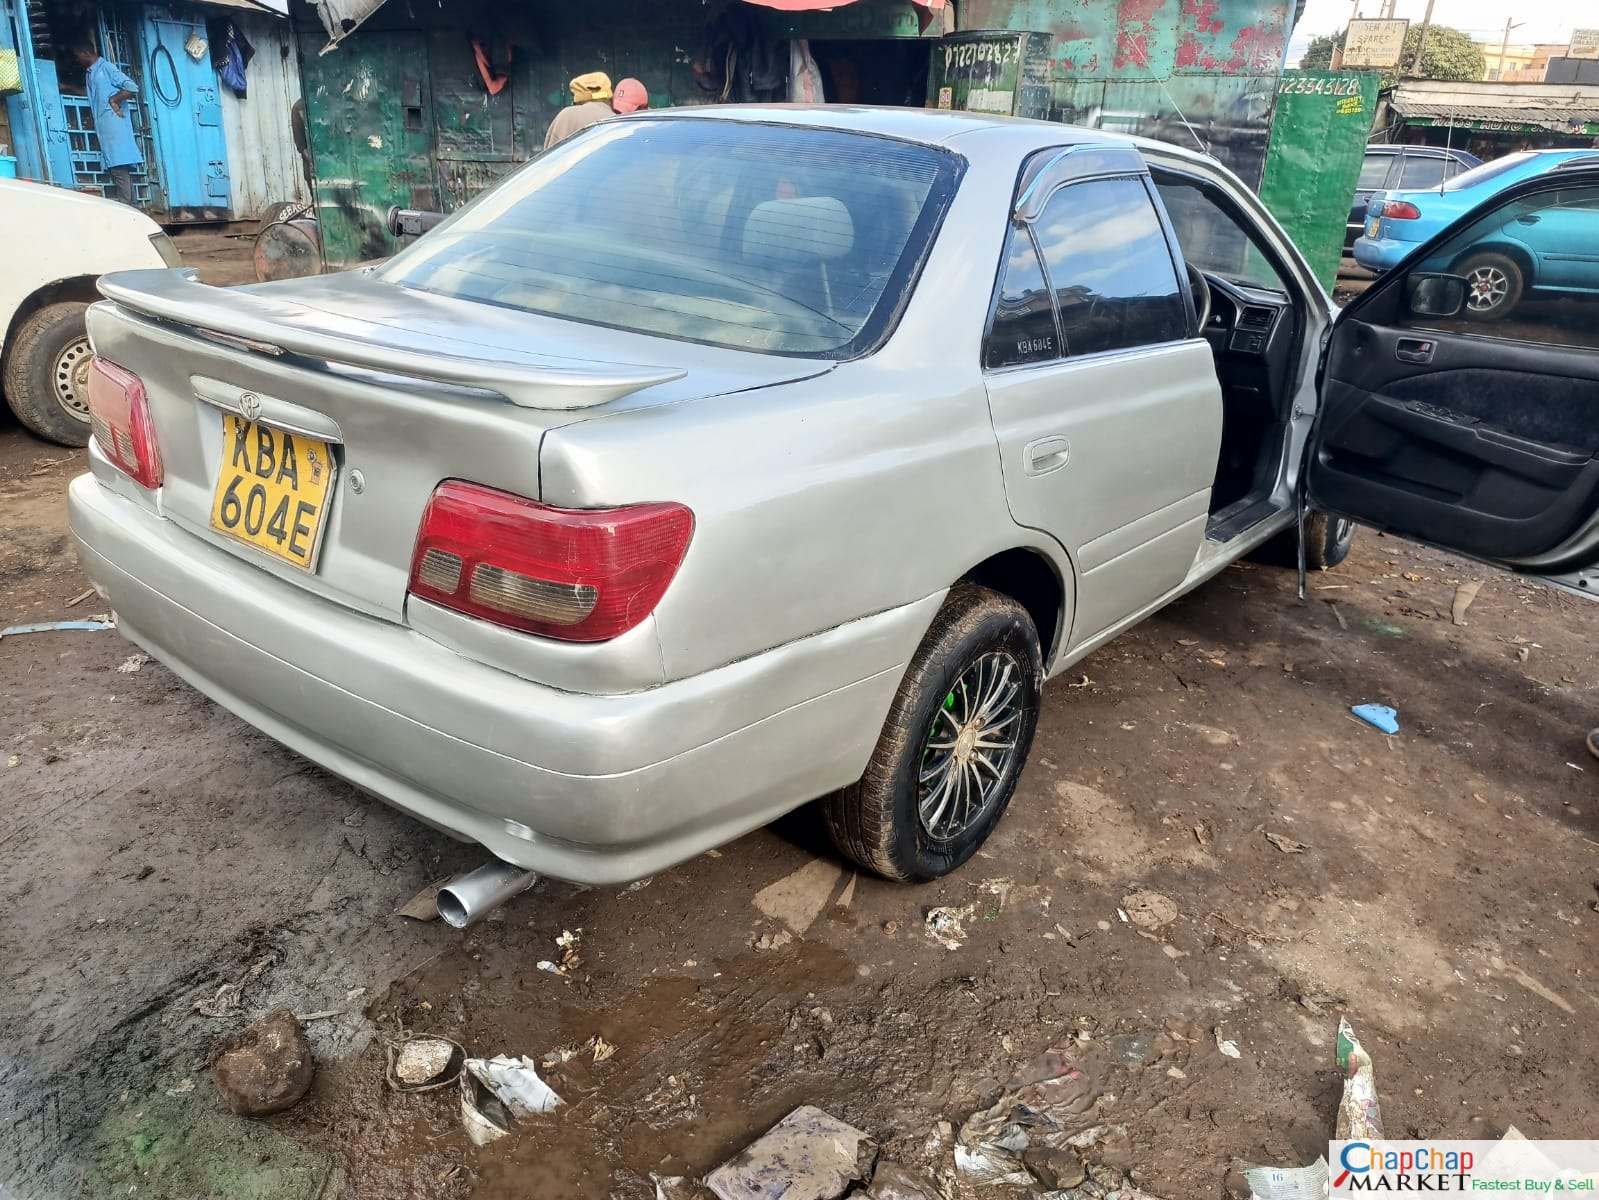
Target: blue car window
{"type": "Point", "coordinates": [1487, 171]}
{"type": "Point", "coordinates": [1531, 267]}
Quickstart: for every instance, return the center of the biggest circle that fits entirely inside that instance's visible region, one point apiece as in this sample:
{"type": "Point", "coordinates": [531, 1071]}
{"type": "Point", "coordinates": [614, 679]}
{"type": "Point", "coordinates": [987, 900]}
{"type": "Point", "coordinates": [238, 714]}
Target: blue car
{"type": "Point", "coordinates": [1399, 221]}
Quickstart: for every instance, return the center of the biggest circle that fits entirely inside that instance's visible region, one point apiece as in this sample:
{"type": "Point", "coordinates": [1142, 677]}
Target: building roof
{"type": "Point", "coordinates": [1550, 107]}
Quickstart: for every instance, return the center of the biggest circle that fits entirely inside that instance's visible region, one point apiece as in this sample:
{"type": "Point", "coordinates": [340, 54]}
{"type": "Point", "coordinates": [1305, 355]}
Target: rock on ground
{"type": "Point", "coordinates": [266, 1068]}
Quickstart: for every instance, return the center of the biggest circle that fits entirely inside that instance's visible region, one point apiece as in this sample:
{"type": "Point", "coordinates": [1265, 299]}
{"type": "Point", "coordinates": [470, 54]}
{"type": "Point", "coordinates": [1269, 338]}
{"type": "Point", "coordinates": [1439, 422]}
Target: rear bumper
{"type": "Point", "coordinates": [1381, 254]}
{"type": "Point", "coordinates": [595, 789]}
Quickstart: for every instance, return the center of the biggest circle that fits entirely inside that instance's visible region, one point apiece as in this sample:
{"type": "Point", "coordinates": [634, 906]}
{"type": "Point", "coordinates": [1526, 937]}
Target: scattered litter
{"type": "Point", "coordinates": [808, 1155]}
{"type": "Point", "coordinates": [567, 942]}
{"type": "Point", "coordinates": [799, 897]}
{"type": "Point", "coordinates": [640, 884]}
{"type": "Point", "coordinates": [424, 906]}
{"type": "Point", "coordinates": [1288, 1183]}
{"type": "Point", "coordinates": [946, 924]}
{"type": "Point", "coordinates": [772, 941]}
{"type": "Point", "coordinates": [1358, 1115]}
{"type": "Point", "coordinates": [132, 663]}
{"type": "Point", "coordinates": [182, 1089]}
{"type": "Point", "coordinates": [602, 1048]}
{"type": "Point", "coordinates": [90, 625]}
{"type": "Point", "coordinates": [1343, 623]}
{"type": "Point", "coordinates": [1286, 844]}
{"type": "Point", "coordinates": [225, 997]}
{"type": "Point", "coordinates": [1084, 682]}
{"type": "Point", "coordinates": [1379, 716]}
{"type": "Point", "coordinates": [1318, 1003]}
{"type": "Point", "coordinates": [1149, 910]}
{"type": "Point", "coordinates": [1054, 1169]}
{"type": "Point", "coordinates": [1226, 1045]}
{"type": "Point", "coordinates": [1176, 1073]}
{"type": "Point", "coordinates": [890, 1181]}
{"type": "Point", "coordinates": [675, 1187]}
{"type": "Point", "coordinates": [424, 1062]}
{"type": "Point", "coordinates": [1122, 913]}
{"type": "Point", "coordinates": [80, 598]}
{"type": "Point", "coordinates": [496, 1092]}
{"type": "Point", "coordinates": [1464, 595]}
{"type": "Point", "coordinates": [1039, 1108]}
{"type": "Point", "coordinates": [997, 887]}
{"type": "Point", "coordinates": [265, 1068]}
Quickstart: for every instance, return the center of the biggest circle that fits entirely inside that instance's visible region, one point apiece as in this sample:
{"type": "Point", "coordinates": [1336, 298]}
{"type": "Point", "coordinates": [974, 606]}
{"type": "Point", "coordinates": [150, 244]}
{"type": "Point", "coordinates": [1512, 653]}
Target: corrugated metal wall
{"type": "Point", "coordinates": [262, 162]}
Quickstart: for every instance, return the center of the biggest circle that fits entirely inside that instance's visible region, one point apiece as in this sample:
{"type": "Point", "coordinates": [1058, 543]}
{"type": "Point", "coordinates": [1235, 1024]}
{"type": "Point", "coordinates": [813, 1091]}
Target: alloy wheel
{"type": "Point", "coordinates": [1487, 288]}
{"type": "Point", "coordinates": [69, 375]}
{"type": "Point", "coordinates": [970, 745]}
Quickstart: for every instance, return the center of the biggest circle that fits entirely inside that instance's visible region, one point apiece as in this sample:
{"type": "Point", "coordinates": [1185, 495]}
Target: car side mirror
{"type": "Point", "coordinates": [1429, 295]}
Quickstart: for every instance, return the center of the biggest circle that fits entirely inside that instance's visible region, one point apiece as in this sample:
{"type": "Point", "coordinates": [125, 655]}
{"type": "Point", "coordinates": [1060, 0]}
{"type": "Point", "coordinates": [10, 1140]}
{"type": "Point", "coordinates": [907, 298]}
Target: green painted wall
{"type": "Point", "coordinates": [1196, 72]}
{"type": "Point", "coordinates": [1318, 142]}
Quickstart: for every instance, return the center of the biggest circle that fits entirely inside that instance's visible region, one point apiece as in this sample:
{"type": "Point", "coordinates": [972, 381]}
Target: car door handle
{"type": "Point", "coordinates": [1527, 219]}
{"type": "Point", "coordinates": [1046, 454]}
{"type": "Point", "coordinates": [1414, 350]}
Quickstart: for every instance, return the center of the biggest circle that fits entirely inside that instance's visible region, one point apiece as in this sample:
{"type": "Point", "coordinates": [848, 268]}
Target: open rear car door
{"type": "Point", "coordinates": [1460, 393]}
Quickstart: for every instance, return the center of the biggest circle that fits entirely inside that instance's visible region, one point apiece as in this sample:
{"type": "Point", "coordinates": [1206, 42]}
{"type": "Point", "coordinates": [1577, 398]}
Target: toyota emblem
{"type": "Point", "coordinates": [250, 405]}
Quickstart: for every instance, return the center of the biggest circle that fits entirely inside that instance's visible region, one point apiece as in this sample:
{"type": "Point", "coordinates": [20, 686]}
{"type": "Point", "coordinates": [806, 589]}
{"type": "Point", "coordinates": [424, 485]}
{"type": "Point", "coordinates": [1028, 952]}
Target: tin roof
{"type": "Point", "coordinates": [1557, 108]}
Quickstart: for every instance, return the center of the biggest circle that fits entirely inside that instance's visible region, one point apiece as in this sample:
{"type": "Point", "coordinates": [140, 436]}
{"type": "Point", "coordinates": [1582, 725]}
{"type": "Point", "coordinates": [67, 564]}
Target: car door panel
{"type": "Point", "coordinates": [1129, 504]}
{"type": "Point", "coordinates": [1106, 410]}
{"type": "Point", "coordinates": [1478, 435]}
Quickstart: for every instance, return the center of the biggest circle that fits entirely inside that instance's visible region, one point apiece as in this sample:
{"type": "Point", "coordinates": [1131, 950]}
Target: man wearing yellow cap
{"type": "Point", "coordinates": [591, 102]}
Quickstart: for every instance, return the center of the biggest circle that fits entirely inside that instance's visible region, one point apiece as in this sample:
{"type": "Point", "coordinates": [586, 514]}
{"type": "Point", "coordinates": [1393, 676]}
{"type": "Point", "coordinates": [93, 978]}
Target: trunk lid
{"type": "Point", "coordinates": [406, 388]}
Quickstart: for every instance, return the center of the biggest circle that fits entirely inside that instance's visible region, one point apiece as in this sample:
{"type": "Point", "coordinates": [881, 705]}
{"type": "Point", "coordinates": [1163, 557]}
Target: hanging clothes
{"type": "Point", "coordinates": [804, 76]}
{"type": "Point", "coordinates": [231, 53]}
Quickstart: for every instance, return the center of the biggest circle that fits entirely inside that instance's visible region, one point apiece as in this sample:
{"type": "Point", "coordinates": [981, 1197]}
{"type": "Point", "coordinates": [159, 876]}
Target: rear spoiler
{"type": "Point", "coordinates": [244, 320]}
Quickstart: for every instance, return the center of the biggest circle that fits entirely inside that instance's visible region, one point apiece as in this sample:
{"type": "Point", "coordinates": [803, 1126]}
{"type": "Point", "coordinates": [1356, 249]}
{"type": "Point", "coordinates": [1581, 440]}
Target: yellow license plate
{"type": "Point", "coordinates": [272, 491]}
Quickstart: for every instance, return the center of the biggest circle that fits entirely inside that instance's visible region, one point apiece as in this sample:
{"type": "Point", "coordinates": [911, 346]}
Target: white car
{"type": "Point", "coordinates": [57, 244]}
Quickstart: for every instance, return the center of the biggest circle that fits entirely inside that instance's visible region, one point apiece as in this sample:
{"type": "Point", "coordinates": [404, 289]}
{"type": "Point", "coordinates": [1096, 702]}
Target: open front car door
{"type": "Point", "coordinates": [1460, 393]}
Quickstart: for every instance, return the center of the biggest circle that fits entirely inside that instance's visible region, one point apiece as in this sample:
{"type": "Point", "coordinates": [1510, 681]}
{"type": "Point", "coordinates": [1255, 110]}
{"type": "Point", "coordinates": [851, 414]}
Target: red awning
{"type": "Point", "coordinates": [814, 5]}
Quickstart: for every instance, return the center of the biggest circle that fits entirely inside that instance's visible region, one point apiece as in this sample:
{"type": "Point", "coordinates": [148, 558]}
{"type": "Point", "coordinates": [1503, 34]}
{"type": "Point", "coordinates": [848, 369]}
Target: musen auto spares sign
{"type": "Point", "coordinates": [1513, 1165]}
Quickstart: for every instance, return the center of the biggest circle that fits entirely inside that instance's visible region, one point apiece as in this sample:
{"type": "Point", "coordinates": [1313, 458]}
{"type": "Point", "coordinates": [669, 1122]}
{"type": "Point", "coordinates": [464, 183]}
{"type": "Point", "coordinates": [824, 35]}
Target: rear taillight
{"type": "Point", "coordinates": [119, 415]}
{"type": "Point", "coordinates": [1400, 210]}
{"type": "Point", "coordinates": [581, 575]}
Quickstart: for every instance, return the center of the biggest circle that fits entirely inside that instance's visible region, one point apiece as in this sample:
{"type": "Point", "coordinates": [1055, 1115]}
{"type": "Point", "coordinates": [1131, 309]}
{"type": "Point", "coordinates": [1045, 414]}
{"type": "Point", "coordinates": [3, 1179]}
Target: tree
{"type": "Point", "coordinates": [1450, 55]}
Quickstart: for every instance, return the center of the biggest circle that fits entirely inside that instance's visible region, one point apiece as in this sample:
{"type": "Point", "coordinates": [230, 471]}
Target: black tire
{"type": "Point", "coordinates": [1494, 284]}
{"type": "Point", "coordinates": [46, 368]}
{"type": "Point", "coordinates": [878, 821]}
{"type": "Point", "coordinates": [1327, 543]}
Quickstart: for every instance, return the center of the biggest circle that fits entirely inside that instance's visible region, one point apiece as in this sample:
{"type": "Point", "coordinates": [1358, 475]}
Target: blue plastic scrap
{"type": "Point", "coordinates": [1380, 716]}
{"type": "Point", "coordinates": [52, 626]}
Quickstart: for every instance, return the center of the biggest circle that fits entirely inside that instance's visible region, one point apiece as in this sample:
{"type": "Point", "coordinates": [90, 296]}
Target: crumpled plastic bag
{"type": "Point", "coordinates": [1040, 1107]}
{"type": "Point", "coordinates": [496, 1091]}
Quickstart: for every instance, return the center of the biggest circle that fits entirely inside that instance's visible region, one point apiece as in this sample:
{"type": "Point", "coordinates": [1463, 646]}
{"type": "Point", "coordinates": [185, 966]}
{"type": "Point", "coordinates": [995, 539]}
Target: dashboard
{"type": "Point", "coordinates": [1252, 333]}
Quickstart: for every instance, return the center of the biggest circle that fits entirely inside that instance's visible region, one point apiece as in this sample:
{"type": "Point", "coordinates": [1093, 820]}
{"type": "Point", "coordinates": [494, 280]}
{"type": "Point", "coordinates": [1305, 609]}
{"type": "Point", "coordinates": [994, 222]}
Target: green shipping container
{"type": "Point", "coordinates": [992, 72]}
{"type": "Point", "coordinates": [1319, 128]}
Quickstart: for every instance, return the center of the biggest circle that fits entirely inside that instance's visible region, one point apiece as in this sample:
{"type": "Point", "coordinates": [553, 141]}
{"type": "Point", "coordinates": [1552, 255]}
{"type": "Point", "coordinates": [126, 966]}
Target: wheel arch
{"type": "Point", "coordinates": [73, 287]}
{"type": "Point", "coordinates": [1034, 580]}
{"type": "Point", "coordinates": [1514, 251]}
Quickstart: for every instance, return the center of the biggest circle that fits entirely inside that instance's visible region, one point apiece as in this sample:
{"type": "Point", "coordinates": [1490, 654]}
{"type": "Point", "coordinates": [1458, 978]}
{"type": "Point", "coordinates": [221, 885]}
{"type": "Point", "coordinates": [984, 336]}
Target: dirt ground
{"type": "Point", "coordinates": [156, 849]}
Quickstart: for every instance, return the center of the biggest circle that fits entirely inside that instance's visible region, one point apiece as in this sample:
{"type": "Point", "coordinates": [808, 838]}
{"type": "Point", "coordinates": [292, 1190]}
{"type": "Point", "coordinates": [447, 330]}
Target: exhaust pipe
{"type": "Point", "coordinates": [468, 898]}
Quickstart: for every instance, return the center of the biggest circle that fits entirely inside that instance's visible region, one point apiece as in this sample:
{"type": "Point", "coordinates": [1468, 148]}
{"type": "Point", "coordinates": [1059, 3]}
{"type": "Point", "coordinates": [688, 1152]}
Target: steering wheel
{"type": "Point", "coordinates": [1201, 290]}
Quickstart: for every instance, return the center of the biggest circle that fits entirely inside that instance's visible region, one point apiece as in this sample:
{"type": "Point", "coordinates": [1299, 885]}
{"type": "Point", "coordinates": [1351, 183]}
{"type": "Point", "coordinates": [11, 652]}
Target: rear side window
{"type": "Point", "coordinates": [1023, 330]}
{"type": "Point", "coordinates": [1110, 267]}
{"type": "Point", "coordinates": [1421, 172]}
{"type": "Point", "coordinates": [1373, 171]}
{"type": "Point", "coordinates": [773, 238]}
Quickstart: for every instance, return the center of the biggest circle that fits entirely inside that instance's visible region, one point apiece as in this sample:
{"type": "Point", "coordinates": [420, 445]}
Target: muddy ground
{"type": "Point", "coordinates": [156, 849]}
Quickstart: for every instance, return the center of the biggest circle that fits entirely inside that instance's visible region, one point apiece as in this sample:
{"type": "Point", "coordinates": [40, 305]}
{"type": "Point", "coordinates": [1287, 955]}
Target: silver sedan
{"type": "Point", "coordinates": [714, 462]}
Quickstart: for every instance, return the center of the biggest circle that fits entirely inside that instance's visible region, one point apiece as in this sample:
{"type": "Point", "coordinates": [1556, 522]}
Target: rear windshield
{"type": "Point", "coordinates": [771, 238]}
{"type": "Point", "coordinates": [1486, 171]}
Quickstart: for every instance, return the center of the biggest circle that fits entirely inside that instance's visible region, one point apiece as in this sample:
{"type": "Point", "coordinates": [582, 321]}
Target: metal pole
{"type": "Point", "coordinates": [1421, 42]}
{"type": "Point", "coordinates": [1504, 46]}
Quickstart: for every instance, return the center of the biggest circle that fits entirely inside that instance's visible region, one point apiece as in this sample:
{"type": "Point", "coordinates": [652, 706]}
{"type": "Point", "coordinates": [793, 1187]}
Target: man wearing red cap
{"type": "Point", "coordinates": [630, 96]}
